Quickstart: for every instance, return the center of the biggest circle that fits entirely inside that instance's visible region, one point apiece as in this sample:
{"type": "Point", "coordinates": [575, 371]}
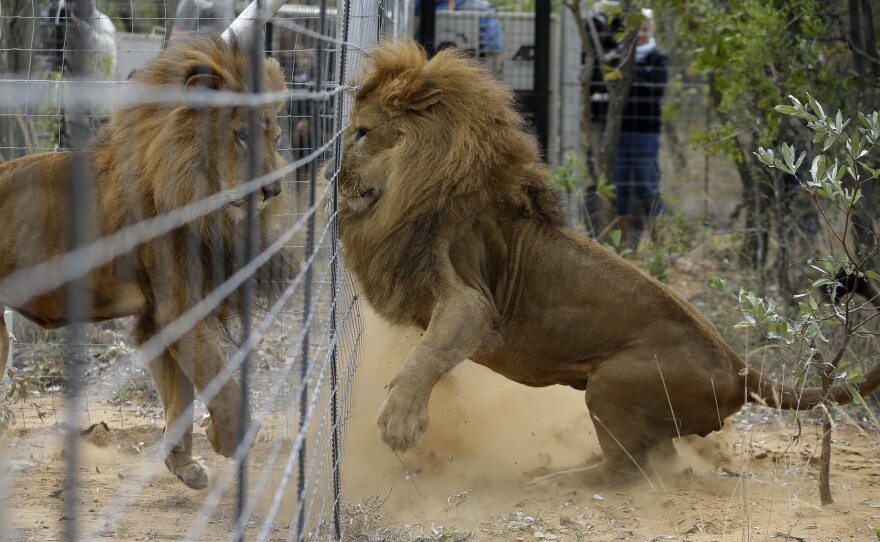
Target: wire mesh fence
{"type": "Point", "coordinates": [170, 246]}
{"type": "Point", "coordinates": [228, 264]}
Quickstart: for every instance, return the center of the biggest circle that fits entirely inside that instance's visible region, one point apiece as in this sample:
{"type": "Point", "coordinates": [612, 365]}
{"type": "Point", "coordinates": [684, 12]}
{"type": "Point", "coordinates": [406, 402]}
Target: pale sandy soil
{"type": "Point", "coordinates": [468, 478]}
{"type": "Point", "coordinates": [487, 437]}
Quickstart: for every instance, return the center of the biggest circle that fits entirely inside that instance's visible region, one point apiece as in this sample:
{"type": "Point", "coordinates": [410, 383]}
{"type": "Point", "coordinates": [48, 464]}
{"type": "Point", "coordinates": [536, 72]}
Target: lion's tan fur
{"type": "Point", "coordinates": [149, 160]}
{"type": "Point", "coordinates": [447, 221]}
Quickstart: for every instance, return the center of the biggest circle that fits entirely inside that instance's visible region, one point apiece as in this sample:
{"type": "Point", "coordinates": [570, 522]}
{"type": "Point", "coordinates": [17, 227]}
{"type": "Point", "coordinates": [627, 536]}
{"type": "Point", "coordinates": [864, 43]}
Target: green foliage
{"type": "Point", "coordinates": [835, 180]}
{"type": "Point", "coordinates": [143, 16]}
{"type": "Point", "coordinates": [20, 389]}
{"type": "Point", "coordinates": [122, 393]}
{"type": "Point", "coordinates": [752, 53]}
{"type": "Point", "coordinates": [570, 176]}
{"type": "Point", "coordinates": [525, 6]}
{"type": "Point", "coordinates": [837, 177]}
{"type": "Point", "coordinates": [617, 244]}
{"type": "Point", "coordinates": [675, 235]}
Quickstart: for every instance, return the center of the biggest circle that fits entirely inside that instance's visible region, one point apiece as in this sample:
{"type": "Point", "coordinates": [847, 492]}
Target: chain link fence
{"type": "Point", "coordinates": [81, 418]}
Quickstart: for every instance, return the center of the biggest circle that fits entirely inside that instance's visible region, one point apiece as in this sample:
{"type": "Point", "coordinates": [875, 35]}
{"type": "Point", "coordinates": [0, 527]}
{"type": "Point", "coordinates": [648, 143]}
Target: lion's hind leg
{"type": "Point", "coordinates": [624, 461]}
{"type": "Point", "coordinates": [629, 429]}
{"type": "Point", "coordinates": [177, 394]}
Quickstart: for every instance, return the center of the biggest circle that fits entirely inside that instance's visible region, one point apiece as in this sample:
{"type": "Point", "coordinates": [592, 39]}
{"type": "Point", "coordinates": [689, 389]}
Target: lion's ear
{"type": "Point", "coordinates": [425, 99]}
{"type": "Point", "coordinates": [201, 76]}
{"type": "Point", "coordinates": [411, 91]}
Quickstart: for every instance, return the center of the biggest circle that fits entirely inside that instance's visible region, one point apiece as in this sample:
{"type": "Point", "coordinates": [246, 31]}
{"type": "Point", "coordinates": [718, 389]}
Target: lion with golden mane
{"type": "Point", "coordinates": [152, 159]}
{"type": "Point", "coordinates": [447, 221]}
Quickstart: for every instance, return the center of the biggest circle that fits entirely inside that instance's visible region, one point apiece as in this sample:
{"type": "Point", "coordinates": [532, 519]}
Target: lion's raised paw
{"type": "Point", "coordinates": [403, 420]}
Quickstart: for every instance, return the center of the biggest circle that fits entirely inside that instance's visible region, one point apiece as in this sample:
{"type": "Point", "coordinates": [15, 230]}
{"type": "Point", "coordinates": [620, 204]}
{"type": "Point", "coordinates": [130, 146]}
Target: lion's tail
{"type": "Point", "coordinates": [775, 394]}
{"type": "Point", "coordinates": [766, 390]}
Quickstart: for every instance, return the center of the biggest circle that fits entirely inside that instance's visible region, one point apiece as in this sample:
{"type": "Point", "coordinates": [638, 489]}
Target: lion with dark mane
{"type": "Point", "coordinates": [447, 222]}
{"type": "Point", "coordinates": [152, 159]}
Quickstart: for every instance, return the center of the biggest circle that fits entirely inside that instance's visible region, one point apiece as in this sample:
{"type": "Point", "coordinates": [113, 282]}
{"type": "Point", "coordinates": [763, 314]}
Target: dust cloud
{"type": "Point", "coordinates": [486, 434]}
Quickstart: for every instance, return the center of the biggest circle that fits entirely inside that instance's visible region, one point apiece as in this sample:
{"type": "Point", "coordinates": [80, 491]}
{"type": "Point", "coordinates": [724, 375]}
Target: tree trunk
{"type": "Point", "coordinates": [757, 204]}
{"type": "Point", "coordinates": [618, 94]}
{"type": "Point", "coordinates": [870, 39]}
{"type": "Point", "coordinates": [589, 133]}
{"type": "Point", "coordinates": [825, 467]}
{"type": "Point", "coordinates": [602, 145]}
{"type": "Point", "coordinates": [865, 58]}
{"type": "Point", "coordinates": [756, 197]}
{"type": "Point", "coordinates": [862, 39]}
{"type": "Point", "coordinates": [855, 36]}
{"type": "Point", "coordinates": [17, 33]}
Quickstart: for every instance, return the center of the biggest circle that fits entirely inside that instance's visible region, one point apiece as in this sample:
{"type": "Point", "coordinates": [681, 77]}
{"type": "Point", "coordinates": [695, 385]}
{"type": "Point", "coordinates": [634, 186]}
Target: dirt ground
{"type": "Point", "coordinates": [489, 436]}
{"type": "Point", "coordinates": [467, 480]}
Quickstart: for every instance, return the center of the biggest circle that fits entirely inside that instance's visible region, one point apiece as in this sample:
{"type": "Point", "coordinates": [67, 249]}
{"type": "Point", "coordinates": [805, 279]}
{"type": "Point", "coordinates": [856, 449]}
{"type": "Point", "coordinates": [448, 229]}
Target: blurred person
{"type": "Point", "coordinates": [92, 42]}
{"type": "Point", "coordinates": [202, 16]}
{"type": "Point", "coordinates": [491, 39]}
{"type": "Point", "coordinates": [637, 167]}
{"type": "Point", "coordinates": [89, 55]}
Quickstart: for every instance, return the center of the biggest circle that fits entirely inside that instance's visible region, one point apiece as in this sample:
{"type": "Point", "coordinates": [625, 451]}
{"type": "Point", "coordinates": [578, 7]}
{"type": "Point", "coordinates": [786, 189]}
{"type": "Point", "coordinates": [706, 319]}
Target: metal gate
{"type": "Point", "coordinates": [515, 46]}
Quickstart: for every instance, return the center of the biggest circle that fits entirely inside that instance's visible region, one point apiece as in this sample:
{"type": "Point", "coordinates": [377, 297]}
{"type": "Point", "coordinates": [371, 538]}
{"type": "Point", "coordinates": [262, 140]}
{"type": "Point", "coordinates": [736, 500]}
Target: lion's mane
{"type": "Point", "coordinates": [442, 174]}
{"type": "Point", "coordinates": [153, 158]}
{"type": "Point", "coordinates": [182, 156]}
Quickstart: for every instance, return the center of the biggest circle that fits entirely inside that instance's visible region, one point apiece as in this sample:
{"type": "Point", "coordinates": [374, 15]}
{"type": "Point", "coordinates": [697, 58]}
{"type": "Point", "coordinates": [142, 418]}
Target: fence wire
{"type": "Point", "coordinates": [82, 426]}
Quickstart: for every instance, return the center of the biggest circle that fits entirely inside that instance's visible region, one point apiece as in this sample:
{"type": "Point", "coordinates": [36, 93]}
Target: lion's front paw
{"type": "Point", "coordinates": [221, 437]}
{"type": "Point", "coordinates": [403, 419]}
{"type": "Point", "coordinates": [192, 474]}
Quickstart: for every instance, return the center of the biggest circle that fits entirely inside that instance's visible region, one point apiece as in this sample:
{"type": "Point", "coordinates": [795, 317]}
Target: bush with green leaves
{"type": "Point", "coordinates": [20, 389]}
{"type": "Point", "coordinates": [830, 317]}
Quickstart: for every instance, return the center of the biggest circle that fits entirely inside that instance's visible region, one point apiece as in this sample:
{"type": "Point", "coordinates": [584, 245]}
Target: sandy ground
{"type": "Point", "coordinates": [489, 436]}
{"type": "Point", "coordinates": [468, 478]}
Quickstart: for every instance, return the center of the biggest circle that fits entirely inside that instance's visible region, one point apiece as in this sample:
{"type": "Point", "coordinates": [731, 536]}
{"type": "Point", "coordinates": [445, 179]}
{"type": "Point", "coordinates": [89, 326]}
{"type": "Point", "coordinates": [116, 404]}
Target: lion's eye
{"type": "Point", "coordinates": [362, 133]}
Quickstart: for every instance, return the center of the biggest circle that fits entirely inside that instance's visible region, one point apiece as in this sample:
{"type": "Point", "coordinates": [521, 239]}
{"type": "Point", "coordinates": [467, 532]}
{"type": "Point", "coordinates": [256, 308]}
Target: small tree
{"type": "Point", "coordinates": [828, 321]}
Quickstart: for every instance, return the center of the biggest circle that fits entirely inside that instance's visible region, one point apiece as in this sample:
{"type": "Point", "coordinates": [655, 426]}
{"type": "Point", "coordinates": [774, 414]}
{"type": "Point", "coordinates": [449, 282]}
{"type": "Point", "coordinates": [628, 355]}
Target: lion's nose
{"type": "Point", "coordinates": [271, 190]}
